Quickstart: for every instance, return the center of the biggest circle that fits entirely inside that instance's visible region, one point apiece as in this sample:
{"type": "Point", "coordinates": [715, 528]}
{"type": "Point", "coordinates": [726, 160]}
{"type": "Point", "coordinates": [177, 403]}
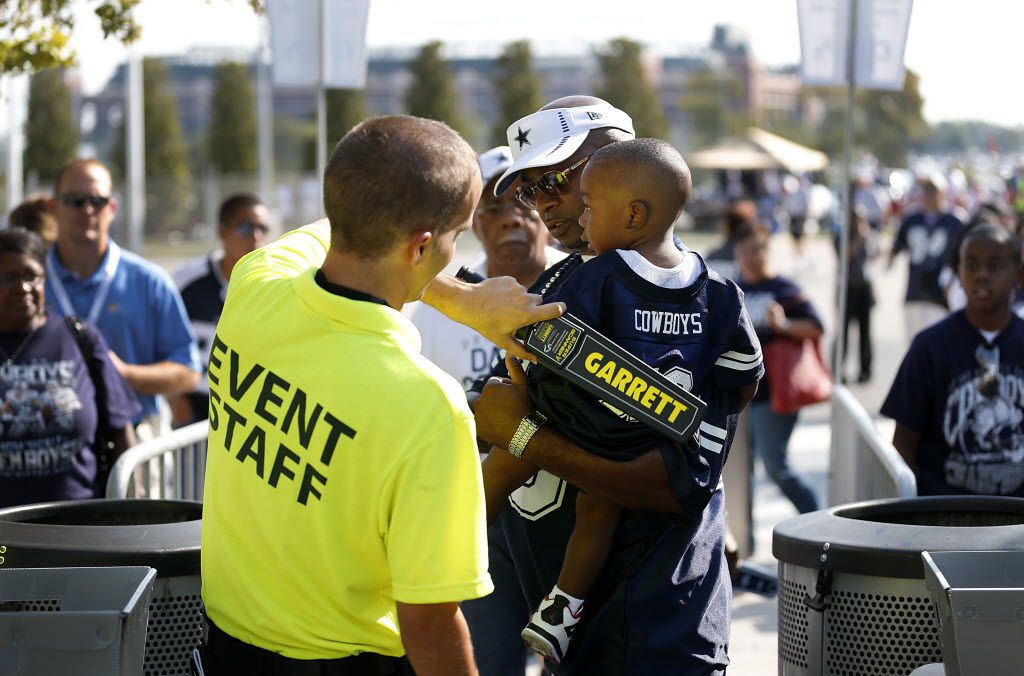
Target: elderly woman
{"type": "Point", "coordinates": [48, 413]}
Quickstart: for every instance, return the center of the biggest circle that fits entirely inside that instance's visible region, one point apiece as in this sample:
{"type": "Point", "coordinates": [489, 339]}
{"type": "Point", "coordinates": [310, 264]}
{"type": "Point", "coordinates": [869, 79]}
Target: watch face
{"type": "Point", "coordinates": [537, 418]}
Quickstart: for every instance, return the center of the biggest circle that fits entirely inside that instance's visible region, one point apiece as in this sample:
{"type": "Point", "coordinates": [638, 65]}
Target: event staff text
{"type": "Point", "coordinates": [255, 395]}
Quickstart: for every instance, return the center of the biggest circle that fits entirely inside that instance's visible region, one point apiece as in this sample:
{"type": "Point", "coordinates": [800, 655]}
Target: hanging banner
{"type": "Point", "coordinates": [318, 42]}
{"type": "Point", "coordinates": [344, 51]}
{"type": "Point", "coordinates": [294, 42]}
{"type": "Point", "coordinates": [823, 36]}
{"type": "Point", "coordinates": [882, 27]}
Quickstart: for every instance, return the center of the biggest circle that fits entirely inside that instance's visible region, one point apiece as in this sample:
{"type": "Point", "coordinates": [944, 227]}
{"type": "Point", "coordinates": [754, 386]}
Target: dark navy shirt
{"type": "Point", "coordinates": [661, 603]}
{"type": "Point", "coordinates": [970, 442]}
{"type": "Point", "coordinates": [203, 289]}
{"type": "Point", "coordinates": [758, 297]}
{"type": "Point", "coordinates": [928, 239]}
{"type": "Point", "coordinates": [48, 415]}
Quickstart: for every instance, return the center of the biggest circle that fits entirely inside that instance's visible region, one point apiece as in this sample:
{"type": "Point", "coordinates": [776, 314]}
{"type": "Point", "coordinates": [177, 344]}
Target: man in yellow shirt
{"type": "Point", "coordinates": [344, 513]}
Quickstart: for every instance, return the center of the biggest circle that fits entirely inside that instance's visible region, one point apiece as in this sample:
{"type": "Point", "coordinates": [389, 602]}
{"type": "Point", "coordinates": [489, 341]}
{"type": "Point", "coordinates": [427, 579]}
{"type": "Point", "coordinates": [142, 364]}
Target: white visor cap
{"type": "Point", "coordinates": [494, 161]}
{"type": "Point", "coordinates": [548, 137]}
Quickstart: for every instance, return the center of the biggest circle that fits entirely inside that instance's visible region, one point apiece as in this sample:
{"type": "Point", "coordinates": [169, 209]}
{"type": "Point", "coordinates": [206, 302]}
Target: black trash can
{"type": "Point", "coordinates": [162, 534]}
{"type": "Point", "coordinates": [852, 596]}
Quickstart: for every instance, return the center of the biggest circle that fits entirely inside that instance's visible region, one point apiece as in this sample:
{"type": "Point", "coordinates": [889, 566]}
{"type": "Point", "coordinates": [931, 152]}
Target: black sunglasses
{"type": "Point", "coordinates": [248, 228]}
{"type": "Point", "coordinates": [554, 183]}
{"type": "Point", "coordinates": [77, 201]}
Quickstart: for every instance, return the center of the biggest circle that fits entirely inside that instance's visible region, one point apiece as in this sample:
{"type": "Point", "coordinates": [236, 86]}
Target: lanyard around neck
{"type": "Point", "coordinates": [109, 268]}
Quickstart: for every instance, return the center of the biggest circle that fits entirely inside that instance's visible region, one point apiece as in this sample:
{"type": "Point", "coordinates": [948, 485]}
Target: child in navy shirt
{"type": "Point", "coordinates": [958, 398]}
{"type": "Point", "coordinates": [659, 301]}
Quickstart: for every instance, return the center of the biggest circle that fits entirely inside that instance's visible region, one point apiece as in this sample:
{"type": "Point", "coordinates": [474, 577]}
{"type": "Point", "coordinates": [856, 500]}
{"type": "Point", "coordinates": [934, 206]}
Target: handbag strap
{"type": "Point", "coordinates": [94, 365]}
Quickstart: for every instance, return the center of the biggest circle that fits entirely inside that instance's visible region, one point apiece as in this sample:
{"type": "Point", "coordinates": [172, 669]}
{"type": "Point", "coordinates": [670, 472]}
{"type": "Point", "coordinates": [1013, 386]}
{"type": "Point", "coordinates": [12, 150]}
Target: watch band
{"type": "Point", "coordinates": [528, 426]}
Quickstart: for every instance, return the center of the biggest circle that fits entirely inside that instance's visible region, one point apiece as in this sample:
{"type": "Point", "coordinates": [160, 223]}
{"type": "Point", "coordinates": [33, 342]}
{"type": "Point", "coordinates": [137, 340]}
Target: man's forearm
{"type": "Point", "coordinates": [639, 484]}
{"type": "Point", "coordinates": [436, 639]}
{"type": "Point", "coordinates": [165, 377]}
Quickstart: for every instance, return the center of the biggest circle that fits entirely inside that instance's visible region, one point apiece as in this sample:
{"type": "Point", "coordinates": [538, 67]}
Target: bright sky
{"type": "Point", "coordinates": [966, 53]}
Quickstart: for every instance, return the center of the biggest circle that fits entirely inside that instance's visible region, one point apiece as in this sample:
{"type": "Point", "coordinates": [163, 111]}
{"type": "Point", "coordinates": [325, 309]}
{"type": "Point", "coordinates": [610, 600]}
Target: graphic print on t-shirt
{"type": "Point", "coordinates": [985, 434]}
{"type": "Point", "coordinates": [37, 414]}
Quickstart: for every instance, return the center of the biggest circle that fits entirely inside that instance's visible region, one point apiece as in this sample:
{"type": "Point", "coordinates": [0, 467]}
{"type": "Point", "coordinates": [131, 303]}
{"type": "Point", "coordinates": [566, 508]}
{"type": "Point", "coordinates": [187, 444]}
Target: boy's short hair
{"type": "Point", "coordinates": [992, 230]}
{"type": "Point", "coordinates": [236, 203]}
{"type": "Point", "coordinates": [653, 163]}
{"type": "Point", "coordinates": [392, 176]}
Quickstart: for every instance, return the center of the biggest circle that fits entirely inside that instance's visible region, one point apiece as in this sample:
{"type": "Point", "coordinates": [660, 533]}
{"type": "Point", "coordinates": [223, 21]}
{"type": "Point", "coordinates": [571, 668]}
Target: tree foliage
{"type": "Point", "coordinates": [713, 102]}
{"type": "Point", "coordinates": [51, 138]}
{"type": "Point", "coordinates": [886, 123]}
{"type": "Point", "coordinates": [345, 109]}
{"type": "Point", "coordinates": [625, 85]}
{"type": "Point", "coordinates": [432, 93]}
{"type": "Point", "coordinates": [517, 88]}
{"type": "Point", "coordinates": [35, 34]}
{"type": "Point", "coordinates": [168, 180]}
{"type": "Point", "coordinates": [231, 137]}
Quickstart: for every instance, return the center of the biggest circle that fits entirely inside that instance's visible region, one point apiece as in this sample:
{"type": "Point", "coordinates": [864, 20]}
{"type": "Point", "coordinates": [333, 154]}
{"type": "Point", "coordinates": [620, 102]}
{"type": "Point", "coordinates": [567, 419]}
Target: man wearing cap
{"type": "Point", "coordinates": [661, 605]}
{"type": "Point", "coordinates": [514, 242]}
{"type": "Point", "coordinates": [927, 236]}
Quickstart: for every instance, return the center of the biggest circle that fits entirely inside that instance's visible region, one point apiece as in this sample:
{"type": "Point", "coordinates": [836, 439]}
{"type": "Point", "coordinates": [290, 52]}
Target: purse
{"type": "Point", "coordinates": [796, 373]}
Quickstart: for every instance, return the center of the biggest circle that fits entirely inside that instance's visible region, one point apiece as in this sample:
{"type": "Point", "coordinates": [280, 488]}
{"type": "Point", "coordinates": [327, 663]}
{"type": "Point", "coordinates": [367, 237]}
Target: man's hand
{"type": "Point", "coordinates": [502, 405]}
{"type": "Point", "coordinates": [496, 308]}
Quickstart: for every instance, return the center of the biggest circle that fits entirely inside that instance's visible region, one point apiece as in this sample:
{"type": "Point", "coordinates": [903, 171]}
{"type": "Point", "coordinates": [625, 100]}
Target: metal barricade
{"type": "Point", "coordinates": [863, 465]}
{"type": "Point", "coordinates": [172, 466]}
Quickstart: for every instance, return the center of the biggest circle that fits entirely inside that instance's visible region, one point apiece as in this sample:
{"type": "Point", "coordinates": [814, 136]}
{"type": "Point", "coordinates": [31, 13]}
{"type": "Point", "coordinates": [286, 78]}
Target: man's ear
{"type": "Point", "coordinates": [639, 212]}
{"type": "Point", "coordinates": [419, 243]}
{"type": "Point", "coordinates": [113, 205]}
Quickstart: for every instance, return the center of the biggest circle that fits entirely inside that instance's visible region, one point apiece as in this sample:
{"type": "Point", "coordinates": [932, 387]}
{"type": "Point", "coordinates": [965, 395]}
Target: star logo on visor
{"type": "Point", "coordinates": [524, 137]}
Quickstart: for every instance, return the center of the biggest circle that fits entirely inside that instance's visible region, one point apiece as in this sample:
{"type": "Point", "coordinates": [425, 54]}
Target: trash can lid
{"type": "Point", "coordinates": [163, 534]}
{"type": "Point", "coordinates": [885, 538]}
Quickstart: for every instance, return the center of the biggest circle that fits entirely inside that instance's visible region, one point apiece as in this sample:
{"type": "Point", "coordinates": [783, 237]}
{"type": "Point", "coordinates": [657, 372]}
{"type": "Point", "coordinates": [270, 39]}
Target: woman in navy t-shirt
{"type": "Point", "coordinates": [778, 309]}
{"type": "Point", "coordinates": [48, 414]}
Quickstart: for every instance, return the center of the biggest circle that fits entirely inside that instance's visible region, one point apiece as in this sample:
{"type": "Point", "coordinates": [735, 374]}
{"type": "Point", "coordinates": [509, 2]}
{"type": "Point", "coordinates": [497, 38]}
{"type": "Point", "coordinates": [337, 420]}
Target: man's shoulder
{"type": "Point", "coordinates": [192, 271]}
{"type": "Point", "coordinates": [424, 386]}
{"type": "Point", "coordinates": [137, 266]}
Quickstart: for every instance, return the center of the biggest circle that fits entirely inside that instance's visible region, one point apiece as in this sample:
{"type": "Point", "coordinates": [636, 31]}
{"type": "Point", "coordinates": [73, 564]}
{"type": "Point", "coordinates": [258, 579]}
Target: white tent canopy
{"type": "Point", "coordinates": [759, 150]}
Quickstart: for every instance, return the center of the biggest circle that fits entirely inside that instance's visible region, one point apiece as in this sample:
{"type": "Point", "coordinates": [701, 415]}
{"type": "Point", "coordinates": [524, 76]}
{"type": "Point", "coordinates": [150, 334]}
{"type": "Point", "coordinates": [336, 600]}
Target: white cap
{"type": "Point", "coordinates": [548, 137]}
{"type": "Point", "coordinates": [494, 161]}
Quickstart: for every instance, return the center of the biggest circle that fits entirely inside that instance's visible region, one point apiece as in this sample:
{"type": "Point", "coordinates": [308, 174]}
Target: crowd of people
{"type": "Point", "coordinates": [396, 488]}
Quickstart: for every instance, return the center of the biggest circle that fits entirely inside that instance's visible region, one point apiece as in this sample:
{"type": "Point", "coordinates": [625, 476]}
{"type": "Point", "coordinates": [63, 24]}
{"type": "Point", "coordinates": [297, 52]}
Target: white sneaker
{"type": "Point", "coordinates": [551, 627]}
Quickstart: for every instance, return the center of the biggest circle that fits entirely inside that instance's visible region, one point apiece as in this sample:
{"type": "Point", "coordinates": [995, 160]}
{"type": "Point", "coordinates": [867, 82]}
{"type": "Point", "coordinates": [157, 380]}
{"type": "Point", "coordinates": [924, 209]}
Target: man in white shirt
{"type": "Point", "coordinates": [514, 241]}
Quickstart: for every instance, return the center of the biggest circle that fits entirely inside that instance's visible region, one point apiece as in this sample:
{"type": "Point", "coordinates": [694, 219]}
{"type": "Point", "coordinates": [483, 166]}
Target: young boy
{"type": "Point", "coordinates": [958, 398]}
{"type": "Point", "coordinates": [659, 301]}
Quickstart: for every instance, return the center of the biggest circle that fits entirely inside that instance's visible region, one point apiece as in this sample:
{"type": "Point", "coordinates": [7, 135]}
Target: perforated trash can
{"type": "Point", "coordinates": [74, 621]}
{"type": "Point", "coordinates": [852, 596]}
{"type": "Point", "coordinates": [161, 534]}
{"type": "Point", "coordinates": [979, 599]}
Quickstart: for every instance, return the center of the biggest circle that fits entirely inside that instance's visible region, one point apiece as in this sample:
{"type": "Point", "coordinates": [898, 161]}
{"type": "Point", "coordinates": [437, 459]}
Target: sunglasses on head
{"type": "Point", "coordinates": [77, 201]}
{"type": "Point", "coordinates": [248, 228]}
{"type": "Point", "coordinates": [553, 183]}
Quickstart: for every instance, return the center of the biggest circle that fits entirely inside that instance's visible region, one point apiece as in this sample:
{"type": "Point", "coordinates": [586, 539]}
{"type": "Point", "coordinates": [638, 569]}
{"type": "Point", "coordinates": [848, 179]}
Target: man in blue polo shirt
{"type": "Point", "coordinates": [131, 301]}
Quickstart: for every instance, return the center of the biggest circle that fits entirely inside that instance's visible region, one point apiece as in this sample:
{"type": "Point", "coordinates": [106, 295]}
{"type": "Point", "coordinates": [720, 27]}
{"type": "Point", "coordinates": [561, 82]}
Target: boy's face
{"type": "Point", "coordinates": [605, 209]}
{"type": "Point", "coordinates": [989, 273]}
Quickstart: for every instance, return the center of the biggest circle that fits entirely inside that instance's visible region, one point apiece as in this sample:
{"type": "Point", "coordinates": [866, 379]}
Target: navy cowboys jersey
{"type": "Point", "coordinates": [661, 603]}
{"type": "Point", "coordinates": [203, 288]}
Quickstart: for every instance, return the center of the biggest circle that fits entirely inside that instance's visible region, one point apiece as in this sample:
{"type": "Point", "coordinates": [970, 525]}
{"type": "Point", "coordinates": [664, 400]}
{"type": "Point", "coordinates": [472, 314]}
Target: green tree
{"type": "Point", "coordinates": [345, 109]}
{"type": "Point", "coordinates": [625, 85]}
{"type": "Point", "coordinates": [886, 123]}
{"type": "Point", "coordinates": [231, 136]}
{"type": "Point", "coordinates": [516, 86]}
{"type": "Point", "coordinates": [432, 93]}
{"type": "Point", "coordinates": [168, 180]}
{"type": "Point", "coordinates": [51, 138]}
{"type": "Point", "coordinates": [713, 102]}
{"type": "Point", "coordinates": [35, 34]}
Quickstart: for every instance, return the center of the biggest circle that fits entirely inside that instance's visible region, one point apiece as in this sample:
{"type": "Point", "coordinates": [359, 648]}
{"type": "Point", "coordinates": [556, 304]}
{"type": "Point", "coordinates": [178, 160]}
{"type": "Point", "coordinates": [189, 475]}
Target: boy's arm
{"type": "Point", "coordinates": [747, 393]}
{"type": "Point", "coordinates": [496, 308]}
{"type": "Point", "coordinates": [906, 441]}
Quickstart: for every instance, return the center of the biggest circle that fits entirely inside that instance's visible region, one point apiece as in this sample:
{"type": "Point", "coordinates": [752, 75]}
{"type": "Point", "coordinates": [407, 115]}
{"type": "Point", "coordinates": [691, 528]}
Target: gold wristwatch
{"type": "Point", "coordinates": [528, 426]}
